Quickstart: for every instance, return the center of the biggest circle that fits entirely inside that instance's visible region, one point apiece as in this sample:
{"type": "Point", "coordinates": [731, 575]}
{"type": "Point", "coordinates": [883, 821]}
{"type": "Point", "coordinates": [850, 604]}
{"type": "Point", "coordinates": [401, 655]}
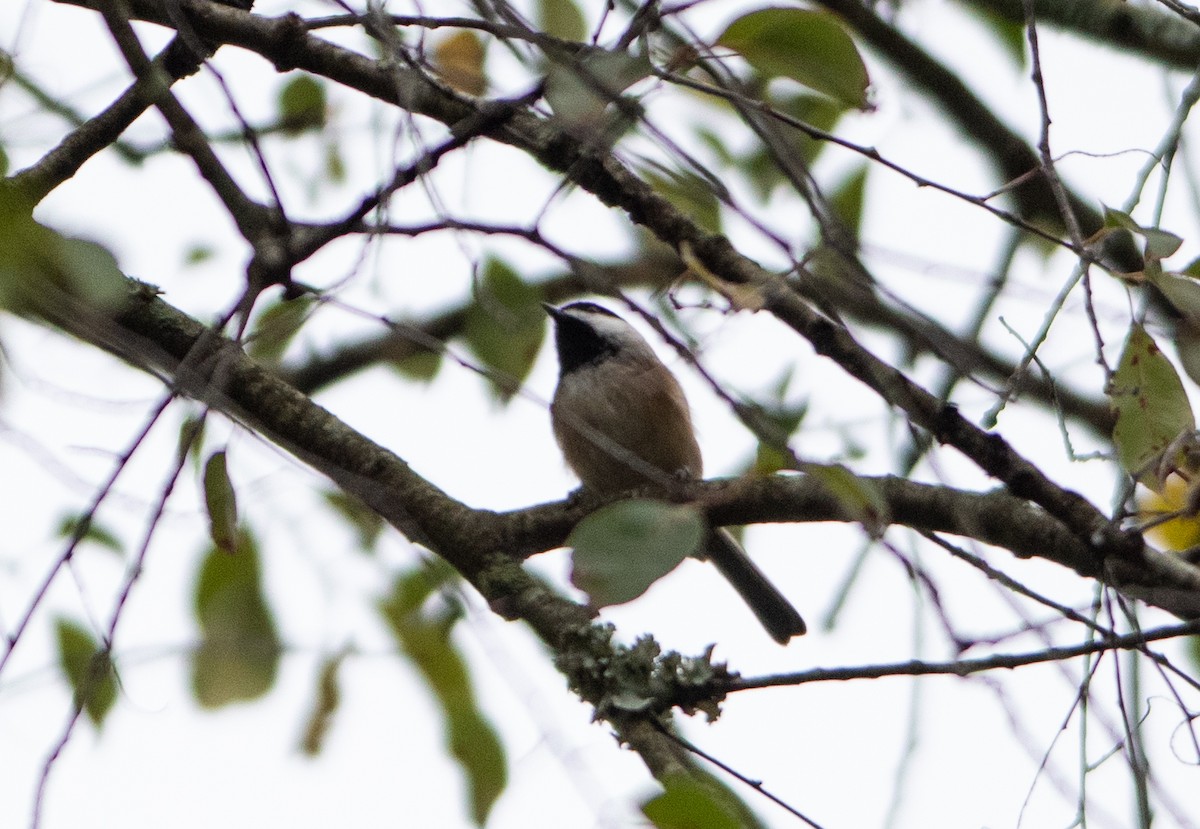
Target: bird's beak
{"type": "Point", "coordinates": [553, 311]}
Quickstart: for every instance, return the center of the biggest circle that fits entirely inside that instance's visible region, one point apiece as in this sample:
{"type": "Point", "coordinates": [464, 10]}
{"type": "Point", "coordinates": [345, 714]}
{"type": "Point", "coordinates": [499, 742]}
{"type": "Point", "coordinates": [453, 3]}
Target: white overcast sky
{"type": "Point", "coordinates": [832, 750]}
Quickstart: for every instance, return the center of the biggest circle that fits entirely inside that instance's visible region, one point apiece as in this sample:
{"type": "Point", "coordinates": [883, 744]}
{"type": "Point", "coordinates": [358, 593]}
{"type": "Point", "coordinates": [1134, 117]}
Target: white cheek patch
{"type": "Point", "coordinates": [618, 332]}
{"type": "Point", "coordinates": [608, 326]}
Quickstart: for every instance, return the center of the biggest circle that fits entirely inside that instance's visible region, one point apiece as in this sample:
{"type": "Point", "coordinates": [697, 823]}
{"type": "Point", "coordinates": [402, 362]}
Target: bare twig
{"type": "Point", "coordinates": [965, 667]}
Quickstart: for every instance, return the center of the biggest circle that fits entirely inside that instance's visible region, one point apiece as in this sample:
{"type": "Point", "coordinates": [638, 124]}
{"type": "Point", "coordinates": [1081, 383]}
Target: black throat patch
{"type": "Point", "coordinates": [578, 343]}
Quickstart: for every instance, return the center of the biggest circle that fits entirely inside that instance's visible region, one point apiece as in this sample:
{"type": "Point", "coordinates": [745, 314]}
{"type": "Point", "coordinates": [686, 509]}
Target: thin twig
{"type": "Point", "coordinates": [965, 667]}
{"type": "Point", "coordinates": [757, 785]}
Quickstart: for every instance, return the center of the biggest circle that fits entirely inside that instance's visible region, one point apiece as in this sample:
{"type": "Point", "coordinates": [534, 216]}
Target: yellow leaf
{"type": "Point", "coordinates": [1178, 534]}
{"type": "Point", "coordinates": [459, 60]}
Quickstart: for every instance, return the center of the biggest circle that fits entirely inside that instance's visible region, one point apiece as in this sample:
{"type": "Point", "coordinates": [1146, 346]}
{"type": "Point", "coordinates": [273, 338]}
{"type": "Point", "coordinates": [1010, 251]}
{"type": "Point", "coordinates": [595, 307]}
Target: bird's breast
{"type": "Point", "coordinates": [622, 427]}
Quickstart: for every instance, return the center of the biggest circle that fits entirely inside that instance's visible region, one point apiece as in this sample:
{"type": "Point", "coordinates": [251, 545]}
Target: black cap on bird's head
{"type": "Point", "coordinates": [577, 309]}
{"type": "Point", "coordinates": [586, 333]}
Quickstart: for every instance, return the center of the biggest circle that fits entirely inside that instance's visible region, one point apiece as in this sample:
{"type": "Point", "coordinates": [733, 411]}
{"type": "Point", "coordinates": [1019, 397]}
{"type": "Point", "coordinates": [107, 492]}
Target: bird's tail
{"type": "Point", "coordinates": [775, 612]}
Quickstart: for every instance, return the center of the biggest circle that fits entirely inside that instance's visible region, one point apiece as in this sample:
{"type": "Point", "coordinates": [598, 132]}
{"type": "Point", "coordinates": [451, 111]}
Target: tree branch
{"type": "Point", "coordinates": [285, 41]}
{"type": "Point", "coordinates": [486, 547]}
{"type": "Point", "coordinates": [153, 335]}
{"type": "Point", "coordinates": [966, 667]}
{"type": "Point", "coordinates": [196, 362]}
{"type": "Point", "coordinates": [1145, 29]}
{"type": "Point", "coordinates": [98, 133]}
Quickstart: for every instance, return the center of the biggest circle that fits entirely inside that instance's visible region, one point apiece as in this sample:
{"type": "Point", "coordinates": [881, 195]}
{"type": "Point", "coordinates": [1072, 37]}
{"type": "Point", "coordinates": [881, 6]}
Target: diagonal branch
{"type": "Point", "coordinates": [98, 133]}
{"type": "Point", "coordinates": [152, 335]}
{"type": "Point", "coordinates": [1145, 29]}
{"type": "Point", "coordinates": [251, 218]}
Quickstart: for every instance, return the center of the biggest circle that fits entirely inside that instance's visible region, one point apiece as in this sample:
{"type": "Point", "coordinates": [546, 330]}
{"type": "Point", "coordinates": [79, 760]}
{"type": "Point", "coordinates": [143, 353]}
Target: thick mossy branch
{"type": "Point", "coordinates": [631, 688]}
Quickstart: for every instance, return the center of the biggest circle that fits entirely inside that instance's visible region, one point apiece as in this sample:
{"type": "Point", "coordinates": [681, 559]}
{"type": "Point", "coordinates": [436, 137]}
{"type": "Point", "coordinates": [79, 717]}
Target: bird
{"type": "Point", "coordinates": [622, 422]}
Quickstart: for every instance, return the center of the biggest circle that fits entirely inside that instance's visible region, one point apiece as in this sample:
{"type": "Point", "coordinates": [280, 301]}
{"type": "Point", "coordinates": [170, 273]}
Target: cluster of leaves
{"type": "Point", "coordinates": [1155, 429]}
{"type": "Point", "coordinates": [88, 669]}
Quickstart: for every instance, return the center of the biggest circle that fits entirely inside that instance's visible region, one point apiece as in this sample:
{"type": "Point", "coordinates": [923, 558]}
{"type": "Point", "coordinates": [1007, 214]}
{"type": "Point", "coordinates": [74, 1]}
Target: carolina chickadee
{"type": "Point", "coordinates": [622, 422]}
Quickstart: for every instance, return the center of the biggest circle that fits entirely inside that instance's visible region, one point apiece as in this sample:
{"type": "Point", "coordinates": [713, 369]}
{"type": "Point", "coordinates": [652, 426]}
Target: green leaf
{"type": "Point", "coordinates": [847, 199]}
{"type": "Point", "coordinates": [365, 521]}
{"type": "Point", "coordinates": [276, 327]}
{"type": "Point", "coordinates": [688, 803]}
{"type": "Point", "coordinates": [623, 548]}
{"type": "Point", "coordinates": [825, 264]}
{"type": "Point", "coordinates": [505, 326]}
{"type": "Point", "coordinates": [1183, 294]}
{"type": "Point", "coordinates": [420, 365]}
{"type": "Point", "coordinates": [1114, 218]}
{"type": "Point", "coordinates": [239, 652]}
{"type": "Point", "coordinates": [859, 498]}
{"type": "Point", "coordinates": [1159, 244]}
{"type": "Point", "coordinates": [684, 806]}
{"type": "Point", "coordinates": [562, 19]}
{"type": "Point", "coordinates": [303, 104]}
{"type": "Point", "coordinates": [88, 668]}
{"type": "Point", "coordinates": [810, 47]}
{"type": "Point", "coordinates": [770, 458]}
{"type": "Point", "coordinates": [473, 742]}
{"type": "Point", "coordinates": [325, 704]}
{"type": "Point", "coordinates": [581, 92]}
{"type": "Point", "coordinates": [1187, 346]}
{"type": "Point", "coordinates": [92, 272]}
{"type": "Point", "coordinates": [48, 275]}
{"type": "Point", "coordinates": [1151, 406]}
{"type": "Point", "coordinates": [86, 529]}
{"type": "Point", "coordinates": [191, 437]}
{"type": "Point", "coordinates": [815, 110]}
{"type": "Point", "coordinates": [688, 192]}
{"type": "Point", "coordinates": [425, 640]}
{"type": "Point", "coordinates": [198, 253]}
{"type": "Point", "coordinates": [221, 501]}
